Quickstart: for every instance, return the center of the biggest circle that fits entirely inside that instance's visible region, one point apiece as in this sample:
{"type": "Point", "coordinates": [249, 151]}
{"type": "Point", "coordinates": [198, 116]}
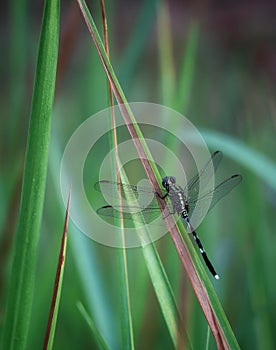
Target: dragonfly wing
{"type": "Point", "coordinates": [224, 188]}
{"type": "Point", "coordinates": [215, 195]}
{"type": "Point", "coordinates": [145, 215]}
{"type": "Point", "coordinates": [110, 188]}
{"type": "Point", "coordinates": [204, 175]}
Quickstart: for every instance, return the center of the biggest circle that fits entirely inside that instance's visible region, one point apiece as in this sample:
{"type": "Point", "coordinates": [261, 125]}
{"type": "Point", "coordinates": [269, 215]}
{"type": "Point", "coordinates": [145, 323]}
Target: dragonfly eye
{"type": "Point", "coordinates": [165, 182]}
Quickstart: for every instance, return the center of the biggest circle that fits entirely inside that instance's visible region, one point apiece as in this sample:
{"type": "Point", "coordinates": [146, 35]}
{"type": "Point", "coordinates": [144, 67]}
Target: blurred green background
{"type": "Point", "coordinates": [213, 62]}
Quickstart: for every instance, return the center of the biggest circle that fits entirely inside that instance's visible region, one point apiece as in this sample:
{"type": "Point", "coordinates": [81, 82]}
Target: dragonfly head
{"type": "Point", "coordinates": [167, 182]}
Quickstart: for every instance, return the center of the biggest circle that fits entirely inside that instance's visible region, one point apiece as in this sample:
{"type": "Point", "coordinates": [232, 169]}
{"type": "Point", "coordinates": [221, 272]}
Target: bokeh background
{"type": "Point", "coordinates": [215, 62]}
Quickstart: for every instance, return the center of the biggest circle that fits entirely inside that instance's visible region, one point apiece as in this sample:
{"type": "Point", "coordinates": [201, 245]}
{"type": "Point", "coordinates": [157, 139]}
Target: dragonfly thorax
{"type": "Point", "coordinates": [179, 202]}
{"type": "Point", "coordinates": [177, 195]}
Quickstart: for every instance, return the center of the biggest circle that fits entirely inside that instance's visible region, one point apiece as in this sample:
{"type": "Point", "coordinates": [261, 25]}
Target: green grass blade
{"type": "Point", "coordinates": [126, 314]}
{"type": "Point", "coordinates": [187, 70]}
{"type": "Point", "coordinates": [101, 344]}
{"type": "Point", "coordinates": [24, 261]}
{"type": "Point", "coordinates": [166, 54]}
{"type": "Point", "coordinates": [207, 338]}
{"type": "Point", "coordinates": [165, 296]}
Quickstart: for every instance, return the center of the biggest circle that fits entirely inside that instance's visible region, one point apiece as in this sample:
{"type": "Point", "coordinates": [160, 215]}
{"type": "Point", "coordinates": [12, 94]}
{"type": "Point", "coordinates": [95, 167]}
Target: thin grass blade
{"type": "Point", "coordinates": [97, 336]}
{"type": "Point", "coordinates": [52, 320]}
{"type": "Point", "coordinates": [126, 314]}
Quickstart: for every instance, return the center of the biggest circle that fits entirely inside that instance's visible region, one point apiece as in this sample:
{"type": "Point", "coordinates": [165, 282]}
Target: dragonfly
{"type": "Point", "coordinates": [183, 199]}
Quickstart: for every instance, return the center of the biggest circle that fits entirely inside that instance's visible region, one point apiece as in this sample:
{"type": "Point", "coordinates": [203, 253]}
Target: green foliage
{"type": "Point", "coordinates": [224, 93]}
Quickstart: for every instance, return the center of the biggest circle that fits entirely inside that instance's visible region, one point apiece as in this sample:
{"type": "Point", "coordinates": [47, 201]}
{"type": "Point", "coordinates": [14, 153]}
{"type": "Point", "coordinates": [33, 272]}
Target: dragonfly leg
{"type": "Point", "coordinates": [162, 197]}
{"type": "Point", "coordinates": [202, 250]}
